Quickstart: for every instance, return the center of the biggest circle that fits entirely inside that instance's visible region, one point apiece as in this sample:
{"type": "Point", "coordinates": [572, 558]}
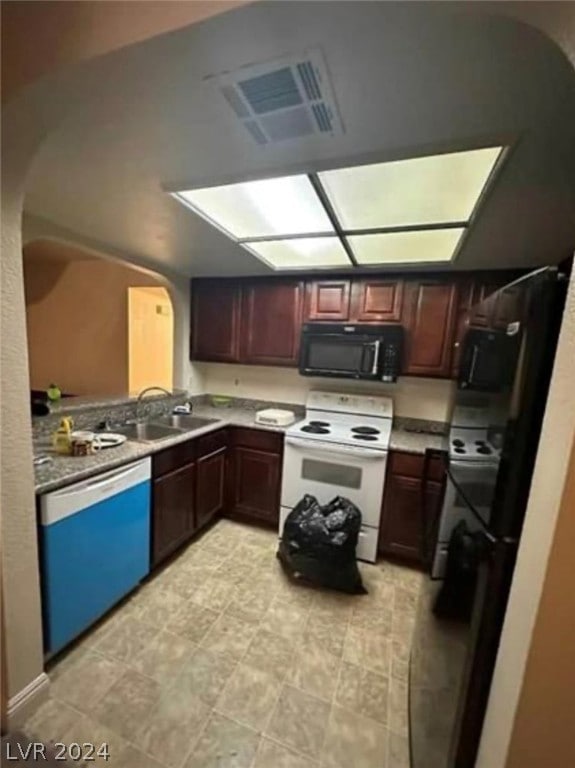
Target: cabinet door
{"type": "Point", "coordinates": [461, 325]}
{"type": "Point", "coordinates": [271, 323]}
{"type": "Point", "coordinates": [256, 490]}
{"type": "Point", "coordinates": [429, 320]}
{"type": "Point", "coordinates": [507, 307]}
{"type": "Point", "coordinates": [173, 511]}
{"type": "Point", "coordinates": [328, 300]}
{"type": "Point", "coordinates": [215, 321]}
{"type": "Point", "coordinates": [482, 315]}
{"type": "Point", "coordinates": [210, 486]}
{"type": "Point", "coordinates": [377, 301]}
{"type": "Point", "coordinates": [401, 530]}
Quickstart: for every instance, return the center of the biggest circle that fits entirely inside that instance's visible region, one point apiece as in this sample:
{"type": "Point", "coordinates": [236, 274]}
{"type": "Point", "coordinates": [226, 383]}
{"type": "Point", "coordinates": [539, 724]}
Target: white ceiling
{"type": "Point", "coordinates": [409, 79]}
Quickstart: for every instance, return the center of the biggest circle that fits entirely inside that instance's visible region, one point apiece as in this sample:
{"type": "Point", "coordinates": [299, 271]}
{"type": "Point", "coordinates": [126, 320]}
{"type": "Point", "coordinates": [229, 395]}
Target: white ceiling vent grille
{"type": "Point", "coordinates": [288, 98]}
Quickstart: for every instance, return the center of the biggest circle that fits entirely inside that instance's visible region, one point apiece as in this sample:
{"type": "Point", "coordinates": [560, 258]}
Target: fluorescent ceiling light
{"type": "Point", "coordinates": [283, 206]}
{"type": "Point", "coordinates": [301, 253]}
{"type": "Point", "coordinates": [431, 245]}
{"type": "Point", "coordinates": [436, 189]}
{"type": "Point", "coordinates": [389, 213]}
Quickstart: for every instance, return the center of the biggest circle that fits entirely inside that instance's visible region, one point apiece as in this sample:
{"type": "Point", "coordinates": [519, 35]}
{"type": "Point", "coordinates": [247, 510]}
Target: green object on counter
{"type": "Point", "coordinates": [53, 393]}
{"type": "Point", "coordinates": [221, 401]}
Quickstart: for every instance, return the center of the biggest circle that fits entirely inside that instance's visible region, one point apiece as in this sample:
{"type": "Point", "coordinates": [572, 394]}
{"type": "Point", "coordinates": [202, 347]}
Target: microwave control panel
{"type": "Point", "coordinates": [390, 362]}
{"type": "Point", "coordinates": [391, 353]}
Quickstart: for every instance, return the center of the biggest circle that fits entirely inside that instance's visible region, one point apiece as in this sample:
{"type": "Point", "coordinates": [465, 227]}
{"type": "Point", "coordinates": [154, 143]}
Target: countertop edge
{"type": "Point", "coordinates": [132, 450]}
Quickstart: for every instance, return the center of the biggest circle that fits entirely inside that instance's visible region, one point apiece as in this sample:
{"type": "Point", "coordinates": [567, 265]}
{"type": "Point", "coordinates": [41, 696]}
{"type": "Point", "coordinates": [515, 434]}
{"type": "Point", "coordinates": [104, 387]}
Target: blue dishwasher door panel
{"type": "Point", "coordinates": [91, 559]}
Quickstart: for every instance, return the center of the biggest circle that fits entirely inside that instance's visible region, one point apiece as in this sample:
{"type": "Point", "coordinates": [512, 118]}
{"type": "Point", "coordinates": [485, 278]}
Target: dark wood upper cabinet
{"type": "Point", "coordinates": [429, 319]}
{"type": "Point", "coordinates": [461, 324]}
{"type": "Point", "coordinates": [480, 316]}
{"type": "Point", "coordinates": [216, 309]}
{"type": "Point", "coordinates": [271, 322]}
{"type": "Point", "coordinates": [256, 484]}
{"type": "Point", "coordinates": [173, 519]}
{"type": "Point", "coordinates": [377, 301]}
{"type": "Point", "coordinates": [507, 306]}
{"type": "Point", "coordinates": [210, 477]}
{"type": "Point", "coordinates": [328, 300]}
{"type": "Point", "coordinates": [258, 321]}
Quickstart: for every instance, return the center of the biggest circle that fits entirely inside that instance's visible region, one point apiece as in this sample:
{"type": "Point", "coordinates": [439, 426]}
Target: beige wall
{"type": "Point", "coordinates": [85, 29]}
{"type": "Point", "coordinates": [77, 319]}
{"type": "Point", "coordinates": [544, 730]}
{"type": "Point", "coordinates": [418, 398]}
{"type": "Point", "coordinates": [22, 644]}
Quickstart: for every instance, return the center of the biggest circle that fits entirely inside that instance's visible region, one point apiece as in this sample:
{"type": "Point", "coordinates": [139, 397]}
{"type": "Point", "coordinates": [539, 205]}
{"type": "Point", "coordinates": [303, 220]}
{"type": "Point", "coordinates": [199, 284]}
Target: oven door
{"type": "Point", "coordinates": [326, 470]}
{"type": "Point", "coordinates": [468, 496]}
{"type": "Point", "coordinates": [356, 357]}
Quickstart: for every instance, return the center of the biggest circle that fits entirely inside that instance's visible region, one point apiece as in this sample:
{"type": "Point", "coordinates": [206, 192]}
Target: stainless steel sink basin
{"type": "Point", "coordinates": [146, 431]}
{"type": "Point", "coordinates": [184, 421]}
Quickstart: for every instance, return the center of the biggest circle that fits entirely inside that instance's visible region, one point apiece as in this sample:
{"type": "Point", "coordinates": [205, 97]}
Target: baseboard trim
{"type": "Point", "coordinates": [25, 701]}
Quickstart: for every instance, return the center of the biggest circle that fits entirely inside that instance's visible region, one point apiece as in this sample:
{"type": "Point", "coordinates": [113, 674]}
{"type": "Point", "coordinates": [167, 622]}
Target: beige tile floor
{"type": "Point", "coordinates": [219, 661]}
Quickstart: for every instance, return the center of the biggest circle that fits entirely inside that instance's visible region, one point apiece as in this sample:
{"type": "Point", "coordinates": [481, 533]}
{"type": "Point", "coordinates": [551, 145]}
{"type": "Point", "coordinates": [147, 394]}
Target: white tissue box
{"type": "Point", "coordinates": [275, 417]}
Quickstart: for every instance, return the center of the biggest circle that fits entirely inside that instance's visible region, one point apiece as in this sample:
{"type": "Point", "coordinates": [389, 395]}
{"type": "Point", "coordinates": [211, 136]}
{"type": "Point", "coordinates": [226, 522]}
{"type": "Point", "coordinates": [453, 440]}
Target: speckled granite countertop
{"type": "Point", "coordinates": [64, 470]}
{"type": "Point", "coordinates": [417, 435]}
{"type": "Point", "coordinates": [414, 442]}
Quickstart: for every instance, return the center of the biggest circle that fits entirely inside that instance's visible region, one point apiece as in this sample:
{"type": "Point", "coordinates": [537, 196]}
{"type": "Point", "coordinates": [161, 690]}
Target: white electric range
{"type": "Point", "coordinates": [474, 456]}
{"type": "Point", "coordinates": [340, 449]}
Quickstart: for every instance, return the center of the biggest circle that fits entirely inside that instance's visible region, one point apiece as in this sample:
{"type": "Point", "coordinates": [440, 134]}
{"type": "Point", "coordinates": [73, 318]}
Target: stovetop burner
{"type": "Point", "coordinates": [365, 431]}
{"type": "Point", "coordinates": [363, 436]}
{"type": "Point", "coordinates": [316, 428]}
{"type": "Point", "coordinates": [459, 449]}
{"type": "Point", "coordinates": [458, 443]}
{"type": "Point", "coordinates": [484, 449]}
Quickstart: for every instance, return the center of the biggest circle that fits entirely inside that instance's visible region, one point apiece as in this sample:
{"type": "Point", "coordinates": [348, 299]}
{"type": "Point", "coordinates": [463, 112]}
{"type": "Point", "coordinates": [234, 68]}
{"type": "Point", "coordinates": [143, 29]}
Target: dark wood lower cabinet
{"type": "Point", "coordinates": [411, 507]}
{"type": "Point", "coordinates": [188, 490]}
{"type": "Point", "coordinates": [401, 525]}
{"type": "Point", "coordinates": [256, 484]}
{"type": "Point", "coordinates": [210, 473]}
{"type": "Point", "coordinates": [173, 511]}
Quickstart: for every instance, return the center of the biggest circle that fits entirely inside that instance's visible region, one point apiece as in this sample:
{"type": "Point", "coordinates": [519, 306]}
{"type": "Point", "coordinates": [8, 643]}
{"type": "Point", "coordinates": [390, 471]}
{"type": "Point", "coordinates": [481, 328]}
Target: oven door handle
{"type": "Point", "coordinates": [340, 450]}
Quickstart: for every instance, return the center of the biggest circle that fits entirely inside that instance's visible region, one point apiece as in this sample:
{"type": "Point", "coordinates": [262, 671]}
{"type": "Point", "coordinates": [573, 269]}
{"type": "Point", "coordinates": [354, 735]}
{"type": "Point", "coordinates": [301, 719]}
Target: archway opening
{"type": "Point", "coordinates": [96, 327]}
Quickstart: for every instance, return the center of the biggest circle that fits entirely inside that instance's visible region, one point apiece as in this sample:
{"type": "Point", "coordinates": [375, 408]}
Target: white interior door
{"type": "Point", "coordinates": [150, 338]}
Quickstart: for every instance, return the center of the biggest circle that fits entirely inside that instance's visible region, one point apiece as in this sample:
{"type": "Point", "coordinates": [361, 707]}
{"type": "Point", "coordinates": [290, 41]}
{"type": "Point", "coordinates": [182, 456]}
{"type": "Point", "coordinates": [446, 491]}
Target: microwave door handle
{"type": "Point", "coordinates": [375, 366]}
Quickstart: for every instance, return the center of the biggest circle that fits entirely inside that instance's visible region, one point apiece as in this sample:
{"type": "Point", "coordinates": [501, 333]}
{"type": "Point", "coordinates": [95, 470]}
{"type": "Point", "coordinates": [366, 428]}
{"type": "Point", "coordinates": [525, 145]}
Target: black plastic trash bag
{"type": "Point", "coordinates": [318, 544]}
{"type": "Point", "coordinates": [456, 597]}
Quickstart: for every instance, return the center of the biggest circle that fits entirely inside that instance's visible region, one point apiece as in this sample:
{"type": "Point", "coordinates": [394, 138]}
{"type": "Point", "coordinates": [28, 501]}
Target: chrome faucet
{"type": "Point", "coordinates": [141, 395]}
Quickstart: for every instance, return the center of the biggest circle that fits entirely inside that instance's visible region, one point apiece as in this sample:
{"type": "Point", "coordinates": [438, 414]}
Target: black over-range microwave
{"type": "Point", "coordinates": [351, 351]}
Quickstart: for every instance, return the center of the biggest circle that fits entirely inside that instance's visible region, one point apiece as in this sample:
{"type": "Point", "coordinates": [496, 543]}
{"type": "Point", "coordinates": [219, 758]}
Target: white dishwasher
{"type": "Point", "coordinates": [94, 548]}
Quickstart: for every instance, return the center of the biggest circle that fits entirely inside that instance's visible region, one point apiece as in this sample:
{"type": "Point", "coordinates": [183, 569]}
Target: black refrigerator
{"type": "Point", "coordinates": [506, 363]}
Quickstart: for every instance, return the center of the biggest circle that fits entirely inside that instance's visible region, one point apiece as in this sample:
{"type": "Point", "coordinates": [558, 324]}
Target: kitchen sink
{"type": "Point", "coordinates": [184, 421]}
{"type": "Point", "coordinates": [146, 431]}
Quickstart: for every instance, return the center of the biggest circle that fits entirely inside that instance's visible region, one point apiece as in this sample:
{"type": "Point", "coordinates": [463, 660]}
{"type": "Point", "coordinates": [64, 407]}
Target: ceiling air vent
{"type": "Point", "coordinates": [287, 98]}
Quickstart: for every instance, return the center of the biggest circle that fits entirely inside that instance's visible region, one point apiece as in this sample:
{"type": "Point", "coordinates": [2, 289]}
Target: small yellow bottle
{"type": "Point", "coordinates": [62, 437]}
